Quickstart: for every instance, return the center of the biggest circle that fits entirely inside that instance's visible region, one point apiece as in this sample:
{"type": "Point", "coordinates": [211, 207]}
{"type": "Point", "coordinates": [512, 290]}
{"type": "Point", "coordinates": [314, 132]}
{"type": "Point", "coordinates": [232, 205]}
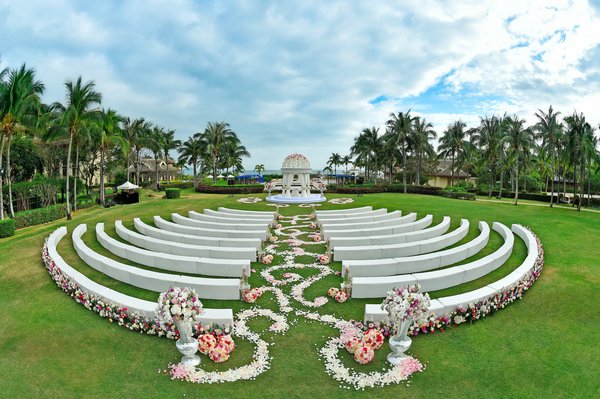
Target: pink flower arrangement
{"type": "Point", "coordinates": [332, 292]}
{"type": "Point", "coordinates": [227, 342]}
{"type": "Point", "coordinates": [373, 338]}
{"type": "Point", "coordinates": [252, 295]}
{"type": "Point", "coordinates": [323, 259]}
{"type": "Point", "coordinates": [218, 353]}
{"type": "Point", "coordinates": [206, 342]}
{"type": "Point", "coordinates": [312, 225]}
{"type": "Point", "coordinates": [341, 297]}
{"type": "Point", "coordinates": [178, 304]}
{"type": "Point", "coordinates": [315, 237]}
{"type": "Point", "coordinates": [267, 259]}
{"type": "Point", "coordinates": [353, 344]}
{"type": "Point", "coordinates": [273, 239]}
{"type": "Point", "coordinates": [364, 354]}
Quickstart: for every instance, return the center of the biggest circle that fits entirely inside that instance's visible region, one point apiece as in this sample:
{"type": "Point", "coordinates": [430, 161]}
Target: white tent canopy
{"type": "Point", "coordinates": [127, 186]}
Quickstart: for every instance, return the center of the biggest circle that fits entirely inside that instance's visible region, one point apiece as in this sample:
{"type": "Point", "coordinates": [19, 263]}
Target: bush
{"type": "Point", "coordinates": [173, 193]}
{"type": "Point", "coordinates": [182, 185]}
{"type": "Point", "coordinates": [40, 215]}
{"type": "Point", "coordinates": [244, 189]}
{"type": "Point", "coordinates": [7, 228]}
{"type": "Point", "coordinates": [458, 195]}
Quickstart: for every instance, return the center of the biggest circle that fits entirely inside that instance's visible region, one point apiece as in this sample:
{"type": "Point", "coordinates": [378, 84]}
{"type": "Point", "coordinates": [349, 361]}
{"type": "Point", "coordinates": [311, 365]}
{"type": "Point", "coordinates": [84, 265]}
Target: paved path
{"type": "Point", "coordinates": [542, 205]}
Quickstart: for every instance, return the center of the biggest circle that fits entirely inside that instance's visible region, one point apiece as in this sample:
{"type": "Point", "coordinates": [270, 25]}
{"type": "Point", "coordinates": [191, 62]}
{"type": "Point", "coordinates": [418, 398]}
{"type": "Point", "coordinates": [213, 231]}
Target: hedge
{"type": "Point", "coordinates": [182, 185]}
{"type": "Point", "coordinates": [249, 189]}
{"type": "Point", "coordinates": [40, 215]}
{"type": "Point", "coordinates": [172, 193]}
{"type": "Point", "coordinates": [458, 195]}
{"type": "Point", "coordinates": [7, 228]}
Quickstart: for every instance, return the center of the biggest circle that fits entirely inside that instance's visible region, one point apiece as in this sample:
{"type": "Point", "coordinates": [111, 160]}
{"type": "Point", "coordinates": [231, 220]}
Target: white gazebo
{"type": "Point", "coordinates": [296, 176]}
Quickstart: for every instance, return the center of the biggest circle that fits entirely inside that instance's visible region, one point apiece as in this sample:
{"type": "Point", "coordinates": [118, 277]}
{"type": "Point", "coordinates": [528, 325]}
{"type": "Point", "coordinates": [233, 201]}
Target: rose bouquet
{"type": "Point", "coordinates": [267, 259]}
{"type": "Point", "coordinates": [178, 304]}
{"type": "Point", "coordinates": [406, 303]}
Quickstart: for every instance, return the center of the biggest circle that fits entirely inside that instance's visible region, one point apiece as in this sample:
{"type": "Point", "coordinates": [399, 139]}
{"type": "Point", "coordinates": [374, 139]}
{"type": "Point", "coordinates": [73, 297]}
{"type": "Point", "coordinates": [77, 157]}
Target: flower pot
{"type": "Point", "coordinates": [186, 344]}
{"type": "Point", "coordinates": [400, 342]}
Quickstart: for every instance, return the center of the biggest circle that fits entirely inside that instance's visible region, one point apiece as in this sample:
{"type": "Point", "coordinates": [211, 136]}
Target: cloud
{"type": "Point", "coordinates": [308, 76]}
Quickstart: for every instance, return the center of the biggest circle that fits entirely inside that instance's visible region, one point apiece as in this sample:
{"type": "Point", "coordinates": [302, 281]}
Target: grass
{"type": "Point", "coordinates": [544, 346]}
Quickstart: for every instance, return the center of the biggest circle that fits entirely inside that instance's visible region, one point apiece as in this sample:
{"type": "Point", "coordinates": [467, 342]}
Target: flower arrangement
{"type": "Point", "coordinates": [323, 259]}
{"type": "Point", "coordinates": [332, 292]}
{"type": "Point", "coordinates": [178, 304]}
{"type": "Point", "coordinates": [252, 295]}
{"type": "Point", "coordinates": [266, 259]}
{"type": "Point", "coordinates": [406, 302]}
{"type": "Point", "coordinates": [273, 238]}
{"type": "Point", "coordinates": [373, 338]}
{"type": "Point", "coordinates": [218, 353]}
{"type": "Point", "coordinates": [313, 225]}
{"type": "Point", "coordinates": [364, 354]}
{"type": "Point", "coordinates": [206, 342]}
{"type": "Point", "coordinates": [353, 344]}
{"type": "Point", "coordinates": [315, 237]}
{"type": "Point", "coordinates": [341, 297]}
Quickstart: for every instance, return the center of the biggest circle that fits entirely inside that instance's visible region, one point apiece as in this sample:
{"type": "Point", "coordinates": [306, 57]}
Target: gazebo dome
{"type": "Point", "coordinates": [295, 161]}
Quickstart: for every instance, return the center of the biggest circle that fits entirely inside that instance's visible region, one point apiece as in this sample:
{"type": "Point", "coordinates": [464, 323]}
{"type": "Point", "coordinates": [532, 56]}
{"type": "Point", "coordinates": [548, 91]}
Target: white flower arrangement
{"type": "Point", "coordinates": [178, 304]}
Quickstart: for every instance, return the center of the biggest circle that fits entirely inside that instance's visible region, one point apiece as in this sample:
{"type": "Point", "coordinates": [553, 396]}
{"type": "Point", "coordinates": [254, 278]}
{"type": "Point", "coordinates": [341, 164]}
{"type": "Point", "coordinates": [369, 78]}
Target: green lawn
{"type": "Point", "coordinates": [547, 345]}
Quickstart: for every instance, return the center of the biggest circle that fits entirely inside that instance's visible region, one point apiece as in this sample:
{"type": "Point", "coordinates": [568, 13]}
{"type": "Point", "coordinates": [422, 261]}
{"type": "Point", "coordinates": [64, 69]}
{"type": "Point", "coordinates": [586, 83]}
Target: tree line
{"type": "Point", "coordinates": [502, 147]}
{"type": "Point", "coordinates": [79, 137]}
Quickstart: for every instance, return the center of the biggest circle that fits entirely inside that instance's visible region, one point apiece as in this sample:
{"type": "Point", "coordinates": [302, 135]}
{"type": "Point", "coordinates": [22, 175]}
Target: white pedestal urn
{"type": "Point", "coordinates": [186, 344]}
{"type": "Point", "coordinates": [400, 342]}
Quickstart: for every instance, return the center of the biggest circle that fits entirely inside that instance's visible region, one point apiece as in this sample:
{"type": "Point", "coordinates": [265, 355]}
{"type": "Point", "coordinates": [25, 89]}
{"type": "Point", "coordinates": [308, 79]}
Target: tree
{"type": "Point", "coordinates": [73, 116]}
{"type": "Point", "coordinates": [259, 168]}
{"type": "Point", "coordinates": [367, 148]}
{"type": "Point", "coordinates": [134, 133]}
{"type": "Point", "coordinates": [154, 142]}
{"type": "Point", "coordinates": [400, 127]}
{"type": "Point", "coordinates": [334, 160]}
{"type": "Point", "coordinates": [191, 152]}
{"type": "Point", "coordinates": [453, 145]}
{"type": "Point", "coordinates": [19, 101]}
{"type": "Point", "coordinates": [346, 160]}
{"type": "Point", "coordinates": [110, 136]}
{"type": "Point", "coordinates": [422, 133]}
{"type": "Point", "coordinates": [519, 140]}
{"type": "Point", "coordinates": [169, 143]}
{"type": "Point", "coordinates": [214, 138]}
{"type": "Point", "coordinates": [549, 131]}
{"type": "Point", "coordinates": [487, 137]}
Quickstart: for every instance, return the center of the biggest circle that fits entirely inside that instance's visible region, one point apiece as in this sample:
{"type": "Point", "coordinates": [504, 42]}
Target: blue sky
{"type": "Point", "coordinates": [309, 76]}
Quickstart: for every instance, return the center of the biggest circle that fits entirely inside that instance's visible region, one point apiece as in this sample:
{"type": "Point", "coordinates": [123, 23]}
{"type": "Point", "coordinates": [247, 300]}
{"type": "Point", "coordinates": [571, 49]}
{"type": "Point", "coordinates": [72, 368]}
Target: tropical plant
{"type": "Point", "coordinates": [154, 141]}
{"type": "Point", "coordinates": [191, 152]}
{"type": "Point", "coordinates": [134, 134]}
{"type": "Point", "coordinates": [334, 160]}
{"type": "Point", "coordinates": [259, 168]}
{"type": "Point", "coordinates": [214, 137]}
{"type": "Point", "coordinates": [169, 143]}
{"type": "Point", "coordinates": [399, 131]}
{"type": "Point", "coordinates": [110, 136]}
{"type": "Point", "coordinates": [519, 141]}
{"type": "Point", "coordinates": [453, 144]}
{"type": "Point", "coordinates": [367, 148]}
{"type": "Point", "coordinates": [422, 133]}
{"type": "Point", "coordinates": [549, 130]}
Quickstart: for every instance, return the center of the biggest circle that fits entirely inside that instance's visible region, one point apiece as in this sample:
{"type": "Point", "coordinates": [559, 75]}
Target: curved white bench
{"type": "Point", "coordinates": [446, 305]}
{"type": "Point", "coordinates": [403, 249]}
{"type": "Point", "coordinates": [199, 231]}
{"type": "Point", "coordinates": [377, 287]}
{"type": "Point", "coordinates": [360, 219]}
{"type": "Point", "coordinates": [245, 212]}
{"type": "Point", "coordinates": [184, 221]}
{"type": "Point", "coordinates": [154, 232]}
{"type": "Point", "coordinates": [386, 230]}
{"type": "Point", "coordinates": [412, 236]}
{"type": "Point", "coordinates": [377, 212]}
{"type": "Point", "coordinates": [348, 211]}
{"type": "Point", "coordinates": [268, 217]}
{"type": "Point", "coordinates": [233, 219]}
{"type": "Point", "coordinates": [174, 248]}
{"type": "Point", "coordinates": [178, 263]}
{"type": "Point", "coordinates": [419, 263]}
{"type": "Point", "coordinates": [222, 317]}
{"type": "Point", "coordinates": [396, 221]}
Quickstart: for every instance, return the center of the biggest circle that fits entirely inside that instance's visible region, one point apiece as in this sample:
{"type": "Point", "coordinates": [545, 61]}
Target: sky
{"type": "Point", "coordinates": [308, 76]}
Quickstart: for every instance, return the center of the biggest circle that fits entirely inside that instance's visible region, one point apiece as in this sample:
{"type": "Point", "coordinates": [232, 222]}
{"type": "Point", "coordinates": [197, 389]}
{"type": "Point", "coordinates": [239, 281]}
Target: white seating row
{"type": "Point", "coordinates": [380, 214]}
{"type": "Point", "coordinates": [174, 248]}
{"type": "Point", "coordinates": [385, 230]}
{"type": "Point", "coordinates": [266, 217]}
{"type": "Point", "coordinates": [223, 317]}
{"type": "Point", "coordinates": [166, 235]}
{"type": "Point", "coordinates": [396, 221]}
{"type": "Point", "coordinates": [412, 236]}
{"type": "Point", "coordinates": [397, 250]}
{"type": "Point", "coordinates": [245, 212]}
{"type": "Point", "coordinates": [177, 263]}
{"type": "Point", "coordinates": [377, 287]}
{"type": "Point", "coordinates": [185, 221]}
{"type": "Point", "coordinates": [225, 219]}
{"type": "Point", "coordinates": [446, 305]}
{"type": "Point", "coordinates": [337, 216]}
{"type": "Point", "coordinates": [419, 263]}
{"type": "Point", "coordinates": [349, 211]}
{"type": "Point", "coordinates": [206, 288]}
{"type": "Point", "coordinates": [199, 231]}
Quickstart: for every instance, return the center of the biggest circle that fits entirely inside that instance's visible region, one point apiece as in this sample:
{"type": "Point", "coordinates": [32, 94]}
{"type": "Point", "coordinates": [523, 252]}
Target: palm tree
{"type": "Point", "coordinates": [453, 145]}
{"type": "Point", "coordinates": [334, 160]}
{"type": "Point", "coordinates": [346, 160]}
{"type": "Point", "coordinates": [549, 130]}
{"type": "Point", "coordinates": [519, 140]}
{"type": "Point", "coordinates": [259, 168]}
{"type": "Point", "coordinates": [110, 136]}
{"type": "Point", "coordinates": [191, 151]}
{"type": "Point", "coordinates": [367, 148]}
{"type": "Point", "coordinates": [73, 116]}
{"type": "Point", "coordinates": [19, 102]}
{"type": "Point", "coordinates": [214, 137]}
{"type": "Point", "coordinates": [154, 142]}
{"type": "Point", "coordinates": [169, 143]}
{"type": "Point", "coordinates": [400, 127]}
{"type": "Point", "coordinates": [134, 133]}
{"type": "Point", "coordinates": [487, 137]}
{"type": "Point", "coordinates": [422, 133]}
{"type": "Point", "coordinates": [232, 152]}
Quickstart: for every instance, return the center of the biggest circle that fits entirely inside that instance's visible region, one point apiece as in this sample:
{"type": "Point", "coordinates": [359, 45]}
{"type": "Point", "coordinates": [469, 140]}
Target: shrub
{"type": "Point", "coordinates": [458, 195]}
{"type": "Point", "coordinates": [173, 193]}
{"type": "Point", "coordinates": [244, 189]}
{"type": "Point", "coordinates": [182, 184]}
{"type": "Point", "coordinates": [7, 228]}
{"type": "Point", "coordinates": [39, 216]}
